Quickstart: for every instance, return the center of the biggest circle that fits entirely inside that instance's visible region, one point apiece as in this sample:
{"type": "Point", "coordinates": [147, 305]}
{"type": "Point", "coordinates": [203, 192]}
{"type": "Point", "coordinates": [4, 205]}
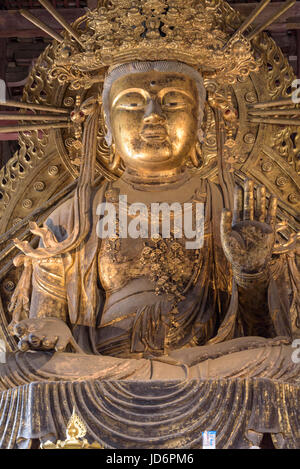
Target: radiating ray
{"type": "Point", "coordinates": [37, 107]}
{"type": "Point", "coordinates": [60, 20]}
{"type": "Point", "coordinates": [252, 17]}
{"type": "Point", "coordinates": [271, 20]}
{"type": "Point", "coordinates": [267, 104]}
{"type": "Point", "coordinates": [274, 112]}
{"type": "Point", "coordinates": [37, 22]}
{"type": "Point", "coordinates": [266, 120]}
{"type": "Point", "coordinates": [29, 127]}
{"type": "Point", "coordinates": [31, 117]}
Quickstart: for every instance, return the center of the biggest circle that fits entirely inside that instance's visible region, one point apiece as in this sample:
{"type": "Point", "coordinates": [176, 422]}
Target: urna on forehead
{"type": "Point", "coordinates": [153, 81]}
{"type": "Point", "coordinates": [171, 71]}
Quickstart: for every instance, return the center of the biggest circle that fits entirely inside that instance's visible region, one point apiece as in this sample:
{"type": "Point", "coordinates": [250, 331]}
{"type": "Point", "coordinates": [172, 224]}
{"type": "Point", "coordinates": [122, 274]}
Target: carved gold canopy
{"type": "Point", "coordinates": [252, 75]}
{"type": "Point", "coordinates": [193, 32]}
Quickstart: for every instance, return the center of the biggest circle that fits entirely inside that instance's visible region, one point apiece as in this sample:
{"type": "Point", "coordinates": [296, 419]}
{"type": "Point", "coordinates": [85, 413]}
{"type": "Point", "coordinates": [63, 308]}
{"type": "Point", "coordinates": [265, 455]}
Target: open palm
{"type": "Point", "coordinates": [248, 234]}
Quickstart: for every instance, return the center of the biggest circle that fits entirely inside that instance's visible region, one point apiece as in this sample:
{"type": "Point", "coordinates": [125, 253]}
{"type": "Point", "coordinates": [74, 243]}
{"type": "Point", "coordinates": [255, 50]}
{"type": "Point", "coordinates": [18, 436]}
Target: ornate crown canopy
{"type": "Point", "coordinates": [193, 32]}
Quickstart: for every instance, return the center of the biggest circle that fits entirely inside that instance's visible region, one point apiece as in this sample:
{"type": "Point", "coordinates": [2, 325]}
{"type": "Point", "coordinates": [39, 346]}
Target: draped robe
{"type": "Point", "coordinates": [209, 313]}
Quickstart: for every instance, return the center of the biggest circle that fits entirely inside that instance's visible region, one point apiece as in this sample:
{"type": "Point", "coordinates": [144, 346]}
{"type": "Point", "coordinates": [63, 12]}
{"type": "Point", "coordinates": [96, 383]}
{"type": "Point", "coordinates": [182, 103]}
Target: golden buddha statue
{"type": "Point", "coordinates": [153, 120]}
{"type": "Point", "coordinates": [145, 307]}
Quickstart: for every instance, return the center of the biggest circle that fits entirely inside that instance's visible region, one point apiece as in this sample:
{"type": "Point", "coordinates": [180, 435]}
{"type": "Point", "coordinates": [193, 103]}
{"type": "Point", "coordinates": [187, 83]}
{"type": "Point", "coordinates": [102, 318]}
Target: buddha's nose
{"type": "Point", "coordinates": [153, 113]}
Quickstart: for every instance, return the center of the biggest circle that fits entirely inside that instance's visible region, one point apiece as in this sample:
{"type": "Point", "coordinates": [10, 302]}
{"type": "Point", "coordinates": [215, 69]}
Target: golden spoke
{"type": "Point", "coordinates": [266, 104]}
{"type": "Point", "coordinates": [31, 117]}
{"type": "Point", "coordinates": [266, 120]}
{"type": "Point", "coordinates": [274, 112]}
{"type": "Point", "coordinates": [271, 20]}
{"type": "Point", "coordinates": [252, 17]}
{"type": "Point", "coordinates": [41, 25]}
{"type": "Point", "coordinates": [29, 127]}
{"type": "Point", "coordinates": [37, 107]}
{"type": "Point", "coordinates": [60, 20]}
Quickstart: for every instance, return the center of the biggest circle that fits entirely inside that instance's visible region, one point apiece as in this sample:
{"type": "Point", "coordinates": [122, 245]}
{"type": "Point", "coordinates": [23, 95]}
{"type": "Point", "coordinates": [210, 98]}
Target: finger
{"type": "Point", "coordinates": [23, 345]}
{"type": "Point", "coordinates": [49, 343]}
{"type": "Point", "coordinates": [261, 204]}
{"type": "Point", "coordinates": [20, 329]}
{"type": "Point", "coordinates": [237, 205]}
{"type": "Point", "coordinates": [281, 225]}
{"type": "Point", "coordinates": [271, 218]}
{"type": "Point", "coordinates": [60, 345]}
{"type": "Point", "coordinates": [248, 200]}
{"type": "Point", "coordinates": [226, 222]}
{"type": "Point", "coordinates": [34, 340]}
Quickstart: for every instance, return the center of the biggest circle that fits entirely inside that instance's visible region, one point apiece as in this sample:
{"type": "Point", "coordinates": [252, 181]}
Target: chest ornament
{"type": "Point", "coordinates": [169, 265]}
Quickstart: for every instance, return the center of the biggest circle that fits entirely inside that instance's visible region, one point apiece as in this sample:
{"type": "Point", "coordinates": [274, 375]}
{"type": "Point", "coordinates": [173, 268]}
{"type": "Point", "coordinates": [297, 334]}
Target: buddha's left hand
{"type": "Point", "coordinates": [248, 234]}
{"type": "Point", "coordinates": [44, 334]}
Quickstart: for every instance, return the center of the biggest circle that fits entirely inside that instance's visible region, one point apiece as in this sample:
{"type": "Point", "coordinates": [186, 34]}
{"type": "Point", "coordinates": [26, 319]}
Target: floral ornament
{"type": "Point", "coordinates": [169, 265]}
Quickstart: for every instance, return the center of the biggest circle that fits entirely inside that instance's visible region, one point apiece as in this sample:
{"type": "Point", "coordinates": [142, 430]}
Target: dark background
{"type": "Point", "coordinates": [21, 43]}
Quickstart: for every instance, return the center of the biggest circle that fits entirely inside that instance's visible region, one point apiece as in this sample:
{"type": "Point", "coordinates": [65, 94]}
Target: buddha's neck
{"type": "Point", "coordinates": [158, 180]}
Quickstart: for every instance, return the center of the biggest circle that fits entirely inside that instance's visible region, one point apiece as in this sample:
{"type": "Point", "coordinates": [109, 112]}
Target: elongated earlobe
{"type": "Point", "coordinates": [196, 155]}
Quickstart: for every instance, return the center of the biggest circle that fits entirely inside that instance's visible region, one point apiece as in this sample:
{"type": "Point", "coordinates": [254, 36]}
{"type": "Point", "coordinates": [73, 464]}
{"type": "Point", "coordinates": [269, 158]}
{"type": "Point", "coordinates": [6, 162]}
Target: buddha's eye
{"type": "Point", "coordinates": [171, 104]}
{"type": "Point", "coordinates": [131, 102]}
{"type": "Point", "coordinates": [174, 100]}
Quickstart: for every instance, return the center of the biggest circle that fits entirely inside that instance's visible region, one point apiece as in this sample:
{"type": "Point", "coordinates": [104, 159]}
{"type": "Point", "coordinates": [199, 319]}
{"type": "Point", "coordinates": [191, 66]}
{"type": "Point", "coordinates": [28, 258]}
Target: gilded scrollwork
{"type": "Point", "coordinates": [114, 33]}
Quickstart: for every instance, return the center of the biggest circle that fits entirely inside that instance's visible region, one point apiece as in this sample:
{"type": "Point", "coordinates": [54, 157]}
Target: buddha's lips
{"type": "Point", "coordinates": [154, 132]}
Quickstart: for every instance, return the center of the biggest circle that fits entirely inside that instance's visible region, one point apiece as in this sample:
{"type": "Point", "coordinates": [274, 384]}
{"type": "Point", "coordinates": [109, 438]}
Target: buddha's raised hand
{"type": "Point", "coordinates": [44, 334]}
{"type": "Point", "coordinates": [248, 234]}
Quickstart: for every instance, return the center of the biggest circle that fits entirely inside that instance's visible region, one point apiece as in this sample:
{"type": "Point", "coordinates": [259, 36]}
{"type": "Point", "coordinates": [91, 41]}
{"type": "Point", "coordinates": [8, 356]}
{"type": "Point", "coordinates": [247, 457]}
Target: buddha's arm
{"type": "Point", "coordinates": [49, 298]}
{"type": "Point", "coordinates": [248, 240]}
{"type": "Point", "coordinates": [40, 291]}
{"type": "Point", "coordinates": [44, 325]}
{"type": "Point", "coordinates": [39, 305]}
{"type": "Point", "coordinates": [253, 304]}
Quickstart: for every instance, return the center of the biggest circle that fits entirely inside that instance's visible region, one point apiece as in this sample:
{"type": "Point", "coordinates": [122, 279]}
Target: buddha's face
{"type": "Point", "coordinates": [154, 120]}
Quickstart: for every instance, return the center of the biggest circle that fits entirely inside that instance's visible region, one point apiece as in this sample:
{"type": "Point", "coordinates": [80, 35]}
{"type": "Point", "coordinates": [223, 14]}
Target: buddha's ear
{"type": "Point", "coordinates": [200, 135]}
{"type": "Point", "coordinates": [89, 105]}
{"type": "Point", "coordinates": [114, 158]}
{"type": "Point", "coordinates": [107, 129]}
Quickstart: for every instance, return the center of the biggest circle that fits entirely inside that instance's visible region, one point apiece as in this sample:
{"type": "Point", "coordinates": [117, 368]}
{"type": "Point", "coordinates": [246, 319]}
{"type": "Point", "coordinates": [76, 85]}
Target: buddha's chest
{"type": "Point", "coordinates": [161, 238]}
{"type": "Point", "coordinates": [166, 262]}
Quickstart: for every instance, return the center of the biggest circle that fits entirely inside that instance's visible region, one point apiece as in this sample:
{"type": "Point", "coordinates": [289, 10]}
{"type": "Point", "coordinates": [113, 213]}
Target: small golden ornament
{"type": "Point", "coordinates": [76, 430]}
